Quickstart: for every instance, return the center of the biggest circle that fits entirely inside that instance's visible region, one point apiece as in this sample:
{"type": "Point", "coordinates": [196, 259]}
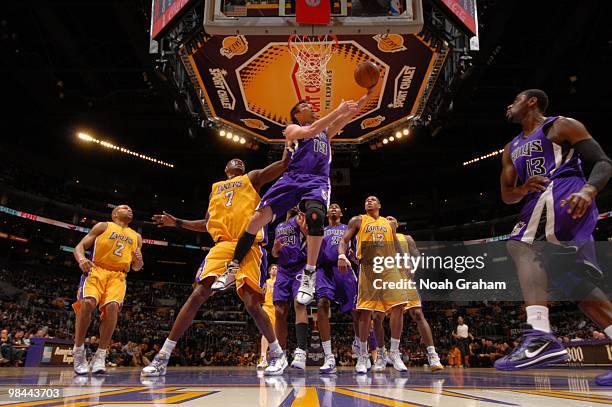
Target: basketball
{"type": "Point", "coordinates": [367, 74]}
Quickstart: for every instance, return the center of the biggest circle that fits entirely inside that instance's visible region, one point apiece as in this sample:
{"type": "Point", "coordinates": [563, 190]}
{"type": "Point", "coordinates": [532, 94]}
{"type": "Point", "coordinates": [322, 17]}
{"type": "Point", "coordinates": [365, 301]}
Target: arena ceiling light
{"type": "Point", "coordinates": [483, 157]}
{"type": "Point", "coordinates": [89, 139]}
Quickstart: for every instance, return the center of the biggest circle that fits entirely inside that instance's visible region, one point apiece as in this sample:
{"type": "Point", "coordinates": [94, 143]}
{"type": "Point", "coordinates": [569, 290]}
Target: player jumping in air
{"type": "Point", "coordinates": [231, 203]}
{"type": "Point", "coordinates": [116, 250]}
{"type": "Point", "coordinates": [542, 168]}
{"type": "Point", "coordinates": [306, 183]}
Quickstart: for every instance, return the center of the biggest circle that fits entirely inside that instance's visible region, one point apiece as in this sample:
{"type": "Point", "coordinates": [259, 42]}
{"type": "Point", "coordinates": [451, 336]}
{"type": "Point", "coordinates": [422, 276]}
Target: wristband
{"type": "Point", "coordinates": [343, 257]}
{"type": "Point", "coordinates": [179, 223]}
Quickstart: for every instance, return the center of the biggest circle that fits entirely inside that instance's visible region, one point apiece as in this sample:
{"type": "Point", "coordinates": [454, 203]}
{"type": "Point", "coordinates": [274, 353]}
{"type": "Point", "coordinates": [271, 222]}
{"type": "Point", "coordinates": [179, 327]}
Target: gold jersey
{"type": "Point", "coordinates": [269, 292]}
{"type": "Point", "coordinates": [232, 203]}
{"type": "Point", "coordinates": [376, 234]}
{"type": "Point", "coordinates": [113, 249]}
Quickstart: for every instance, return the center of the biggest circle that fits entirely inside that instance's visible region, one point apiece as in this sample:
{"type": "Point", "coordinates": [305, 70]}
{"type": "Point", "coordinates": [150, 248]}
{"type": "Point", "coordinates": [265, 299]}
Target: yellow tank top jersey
{"type": "Point", "coordinates": [114, 248]}
{"type": "Point", "coordinates": [232, 202]}
{"type": "Point", "coordinates": [403, 243]}
{"type": "Point", "coordinates": [269, 292]}
{"type": "Point", "coordinates": [374, 233]}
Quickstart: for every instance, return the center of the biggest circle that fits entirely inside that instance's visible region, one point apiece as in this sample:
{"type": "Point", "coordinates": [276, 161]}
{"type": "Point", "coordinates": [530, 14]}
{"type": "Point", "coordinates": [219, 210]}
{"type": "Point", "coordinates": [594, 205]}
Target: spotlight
{"type": "Point", "coordinates": [222, 133]}
{"type": "Point", "coordinates": [391, 138]}
{"type": "Point", "coordinates": [398, 134]}
{"type": "Point", "coordinates": [229, 135]}
{"type": "Point", "coordinates": [242, 140]}
{"type": "Point", "coordinates": [236, 139]}
{"type": "Point", "coordinates": [385, 141]}
{"type": "Point", "coordinates": [406, 132]}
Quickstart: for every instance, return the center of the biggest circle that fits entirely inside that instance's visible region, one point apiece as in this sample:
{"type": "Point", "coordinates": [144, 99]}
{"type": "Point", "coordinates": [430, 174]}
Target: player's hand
{"type": "Point", "coordinates": [139, 261]}
{"type": "Point", "coordinates": [578, 203]}
{"type": "Point", "coordinates": [277, 246]}
{"type": "Point", "coordinates": [393, 223]}
{"type": "Point", "coordinates": [85, 265]}
{"type": "Point", "coordinates": [165, 220]}
{"type": "Point", "coordinates": [343, 264]}
{"type": "Point", "coordinates": [535, 183]}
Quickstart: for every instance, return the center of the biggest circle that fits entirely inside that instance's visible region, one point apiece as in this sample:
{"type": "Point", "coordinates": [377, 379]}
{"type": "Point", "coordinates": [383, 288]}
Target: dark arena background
{"type": "Point", "coordinates": [144, 103]}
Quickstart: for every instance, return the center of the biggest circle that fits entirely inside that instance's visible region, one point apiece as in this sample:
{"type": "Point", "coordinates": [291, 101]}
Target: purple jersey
{"type": "Point", "coordinates": [311, 156]}
{"type": "Point", "coordinates": [537, 155]}
{"type": "Point", "coordinates": [331, 239]}
{"type": "Point", "coordinates": [293, 244]}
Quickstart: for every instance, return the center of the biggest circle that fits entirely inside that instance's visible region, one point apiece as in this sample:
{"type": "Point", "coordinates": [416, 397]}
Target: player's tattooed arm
{"type": "Point", "coordinates": [261, 177]}
{"type": "Point", "coordinates": [79, 250]}
{"type": "Point", "coordinates": [296, 132]}
{"type": "Point", "coordinates": [345, 118]}
{"type": "Point", "coordinates": [351, 230]}
{"type": "Point", "coordinates": [510, 192]}
{"type": "Point", "coordinates": [137, 261]}
{"type": "Point", "coordinates": [171, 221]}
{"type": "Point", "coordinates": [567, 130]}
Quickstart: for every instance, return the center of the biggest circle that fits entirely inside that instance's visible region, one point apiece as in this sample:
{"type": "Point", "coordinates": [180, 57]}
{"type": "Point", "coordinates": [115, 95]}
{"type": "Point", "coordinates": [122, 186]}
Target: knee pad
{"type": "Point", "coordinates": [315, 217]}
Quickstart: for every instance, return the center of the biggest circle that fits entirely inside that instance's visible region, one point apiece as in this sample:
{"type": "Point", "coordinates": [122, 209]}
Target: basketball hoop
{"type": "Point", "coordinates": [312, 53]}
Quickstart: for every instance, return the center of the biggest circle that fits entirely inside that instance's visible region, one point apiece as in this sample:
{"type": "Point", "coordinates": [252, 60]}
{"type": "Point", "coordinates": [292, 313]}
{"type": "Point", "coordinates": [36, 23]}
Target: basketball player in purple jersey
{"type": "Point", "coordinates": [333, 285]}
{"type": "Point", "coordinates": [306, 182]}
{"type": "Point", "coordinates": [558, 207]}
{"type": "Point", "coordinates": [289, 247]}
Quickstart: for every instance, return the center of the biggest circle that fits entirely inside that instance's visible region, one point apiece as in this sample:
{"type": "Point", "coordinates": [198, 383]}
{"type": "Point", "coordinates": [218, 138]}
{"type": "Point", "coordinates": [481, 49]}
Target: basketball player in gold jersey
{"type": "Point", "coordinates": [231, 204]}
{"type": "Point", "coordinates": [116, 249]}
{"type": "Point", "coordinates": [375, 238]}
{"type": "Point", "coordinates": [268, 307]}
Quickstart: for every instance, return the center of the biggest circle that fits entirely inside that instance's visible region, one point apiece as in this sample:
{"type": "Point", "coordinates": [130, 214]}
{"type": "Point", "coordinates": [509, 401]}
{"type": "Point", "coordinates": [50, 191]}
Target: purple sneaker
{"type": "Point", "coordinates": [604, 379]}
{"type": "Point", "coordinates": [537, 349]}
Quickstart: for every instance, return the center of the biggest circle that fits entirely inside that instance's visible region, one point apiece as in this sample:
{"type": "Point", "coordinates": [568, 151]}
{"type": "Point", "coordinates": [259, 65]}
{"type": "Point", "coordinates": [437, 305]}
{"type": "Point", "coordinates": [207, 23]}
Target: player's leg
{"type": "Point", "coordinates": [355, 347]}
{"type": "Point", "coordinates": [281, 309]}
{"type": "Point", "coordinates": [301, 336]}
{"type": "Point", "coordinates": [380, 360]}
{"type": "Point", "coordinates": [365, 319]}
{"type": "Point", "coordinates": [315, 212]}
{"type": "Point", "coordinates": [90, 291]}
{"type": "Point", "coordinates": [416, 313]}
{"type": "Point", "coordinates": [396, 324]}
{"type": "Point", "coordinates": [323, 306]}
{"type": "Point", "coordinates": [263, 359]}
{"type": "Point", "coordinates": [538, 346]}
{"type": "Point", "coordinates": [108, 323]}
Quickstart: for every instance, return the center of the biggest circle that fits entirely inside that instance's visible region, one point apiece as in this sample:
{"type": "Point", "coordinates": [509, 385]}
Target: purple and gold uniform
{"type": "Point", "coordinates": [542, 217]}
{"type": "Point", "coordinates": [338, 287]}
{"type": "Point", "coordinates": [306, 178]}
{"type": "Point", "coordinates": [291, 260]}
{"type": "Point", "coordinates": [403, 242]}
{"type": "Point", "coordinates": [111, 255]}
{"type": "Point", "coordinates": [231, 204]}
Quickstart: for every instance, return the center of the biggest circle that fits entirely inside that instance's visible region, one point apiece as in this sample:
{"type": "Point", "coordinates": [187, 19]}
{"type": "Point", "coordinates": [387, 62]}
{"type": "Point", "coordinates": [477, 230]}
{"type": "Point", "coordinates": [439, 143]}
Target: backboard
{"type": "Point", "coordinates": [277, 17]}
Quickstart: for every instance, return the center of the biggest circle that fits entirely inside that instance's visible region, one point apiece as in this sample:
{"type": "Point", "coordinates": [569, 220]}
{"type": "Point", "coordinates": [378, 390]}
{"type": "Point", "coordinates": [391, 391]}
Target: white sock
{"type": "Point", "coordinates": [327, 347]}
{"type": "Point", "coordinates": [394, 345]}
{"type": "Point", "coordinates": [275, 347]}
{"type": "Point", "coordinates": [82, 347]}
{"type": "Point", "coordinates": [431, 350]}
{"type": "Point", "coordinates": [168, 346]}
{"type": "Point", "coordinates": [380, 351]}
{"type": "Point", "coordinates": [311, 269]}
{"type": "Point", "coordinates": [357, 340]}
{"type": "Point", "coordinates": [363, 347]}
{"type": "Point", "coordinates": [101, 351]}
{"type": "Point", "coordinates": [537, 317]}
{"type": "Point", "coordinates": [608, 331]}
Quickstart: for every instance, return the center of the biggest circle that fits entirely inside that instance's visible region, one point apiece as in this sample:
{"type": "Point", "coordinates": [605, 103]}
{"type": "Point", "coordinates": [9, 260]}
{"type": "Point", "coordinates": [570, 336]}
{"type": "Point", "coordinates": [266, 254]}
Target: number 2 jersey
{"type": "Point", "coordinates": [113, 249]}
{"type": "Point", "coordinates": [230, 207]}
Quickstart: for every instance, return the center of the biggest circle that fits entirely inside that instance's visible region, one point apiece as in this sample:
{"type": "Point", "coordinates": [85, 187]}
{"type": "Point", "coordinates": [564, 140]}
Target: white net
{"type": "Point", "coordinates": [312, 53]}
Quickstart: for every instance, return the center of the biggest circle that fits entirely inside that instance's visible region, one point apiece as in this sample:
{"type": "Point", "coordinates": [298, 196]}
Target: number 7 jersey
{"type": "Point", "coordinates": [231, 205]}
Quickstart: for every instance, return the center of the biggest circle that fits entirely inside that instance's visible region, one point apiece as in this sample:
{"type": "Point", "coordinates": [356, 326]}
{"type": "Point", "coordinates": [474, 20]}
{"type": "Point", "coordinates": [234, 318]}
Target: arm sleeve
{"type": "Point", "coordinates": [591, 153]}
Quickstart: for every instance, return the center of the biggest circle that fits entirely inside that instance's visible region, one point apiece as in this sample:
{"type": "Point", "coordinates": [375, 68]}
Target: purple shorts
{"type": "Point", "coordinates": [287, 283]}
{"type": "Point", "coordinates": [291, 189]}
{"type": "Point", "coordinates": [340, 288]}
{"type": "Point", "coordinates": [543, 219]}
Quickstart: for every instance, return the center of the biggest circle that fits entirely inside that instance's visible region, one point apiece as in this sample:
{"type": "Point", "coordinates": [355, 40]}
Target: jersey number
{"type": "Point", "coordinates": [535, 166]}
{"type": "Point", "coordinates": [230, 196]}
{"type": "Point", "coordinates": [378, 239]}
{"type": "Point", "coordinates": [320, 146]}
{"type": "Point", "coordinates": [120, 247]}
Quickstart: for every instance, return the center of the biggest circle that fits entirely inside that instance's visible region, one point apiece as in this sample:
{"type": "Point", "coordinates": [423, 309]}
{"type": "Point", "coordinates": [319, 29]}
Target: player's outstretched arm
{"type": "Point", "coordinates": [345, 118]}
{"type": "Point", "coordinates": [573, 132]}
{"type": "Point", "coordinates": [350, 232]}
{"type": "Point", "coordinates": [167, 220]}
{"type": "Point", "coordinates": [79, 250]}
{"type": "Point", "coordinates": [510, 192]}
{"type": "Point", "coordinates": [137, 261]}
{"type": "Point", "coordinates": [261, 177]}
{"type": "Point", "coordinates": [296, 132]}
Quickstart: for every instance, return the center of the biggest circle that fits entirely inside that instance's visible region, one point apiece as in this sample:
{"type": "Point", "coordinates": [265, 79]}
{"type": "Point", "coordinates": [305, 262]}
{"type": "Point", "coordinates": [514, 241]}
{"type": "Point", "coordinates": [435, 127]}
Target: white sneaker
{"type": "Point", "coordinates": [227, 279]}
{"type": "Point", "coordinates": [396, 358]}
{"type": "Point", "coordinates": [299, 359]}
{"type": "Point", "coordinates": [356, 349]}
{"type": "Point", "coordinates": [276, 365]}
{"type": "Point", "coordinates": [80, 361]}
{"type": "Point", "coordinates": [158, 365]}
{"type": "Point", "coordinates": [434, 362]}
{"type": "Point", "coordinates": [98, 362]}
{"type": "Point", "coordinates": [362, 363]}
{"type": "Point", "coordinates": [380, 364]}
{"type": "Point", "coordinates": [307, 287]}
{"type": "Point", "coordinates": [263, 363]}
{"type": "Point", "coordinates": [329, 366]}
